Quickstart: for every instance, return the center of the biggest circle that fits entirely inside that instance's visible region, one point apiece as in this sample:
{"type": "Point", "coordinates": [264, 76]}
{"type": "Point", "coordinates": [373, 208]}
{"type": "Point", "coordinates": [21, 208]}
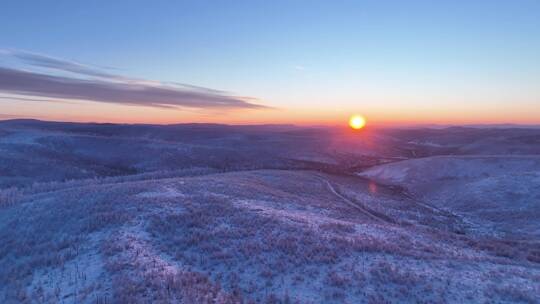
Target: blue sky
{"type": "Point", "coordinates": [305, 61]}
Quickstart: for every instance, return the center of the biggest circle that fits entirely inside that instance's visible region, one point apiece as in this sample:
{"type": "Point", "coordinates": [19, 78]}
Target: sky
{"type": "Point", "coordinates": [244, 62]}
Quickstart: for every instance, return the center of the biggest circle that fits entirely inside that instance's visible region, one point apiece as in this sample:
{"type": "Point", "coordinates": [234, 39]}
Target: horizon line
{"type": "Point", "coordinates": [321, 125]}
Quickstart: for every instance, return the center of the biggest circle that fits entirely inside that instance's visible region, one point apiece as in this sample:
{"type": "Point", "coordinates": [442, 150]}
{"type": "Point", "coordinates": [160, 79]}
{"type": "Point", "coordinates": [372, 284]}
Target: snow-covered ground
{"type": "Point", "coordinates": [500, 193]}
{"type": "Point", "coordinates": [103, 213]}
{"type": "Point", "coordinates": [248, 236]}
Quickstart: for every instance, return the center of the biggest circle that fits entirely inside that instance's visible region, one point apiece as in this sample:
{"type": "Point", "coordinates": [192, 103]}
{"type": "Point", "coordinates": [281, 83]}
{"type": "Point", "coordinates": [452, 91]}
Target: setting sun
{"type": "Point", "coordinates": [357, 122]}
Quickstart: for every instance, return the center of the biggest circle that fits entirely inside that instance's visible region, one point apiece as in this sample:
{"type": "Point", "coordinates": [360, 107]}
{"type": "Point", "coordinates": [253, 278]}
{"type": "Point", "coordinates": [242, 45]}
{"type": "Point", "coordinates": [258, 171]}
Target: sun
{"type": "Point", "coordinates": [357, 122]}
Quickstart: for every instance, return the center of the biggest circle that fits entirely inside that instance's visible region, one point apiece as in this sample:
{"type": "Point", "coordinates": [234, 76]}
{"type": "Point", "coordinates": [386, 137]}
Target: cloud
{"type": "Point", "coordinates": [28, 83]}
{"type": "Point", "coordinates": [92, 84]}
{"type": "Point", "coordinates": [32, 99]}
{"type": "Point", "coordinates": [59, 64]}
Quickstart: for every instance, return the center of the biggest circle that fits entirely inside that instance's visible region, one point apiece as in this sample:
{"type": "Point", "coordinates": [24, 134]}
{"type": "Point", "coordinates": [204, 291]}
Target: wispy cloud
{"type": "Point", "coordinates": [32, 99]}
{"type": "Point", "coordinates": [59, 64]}
{"type": "Point", "coordinates": [93, 84]}
{"type": "Point", "coordinates": [42, 85]}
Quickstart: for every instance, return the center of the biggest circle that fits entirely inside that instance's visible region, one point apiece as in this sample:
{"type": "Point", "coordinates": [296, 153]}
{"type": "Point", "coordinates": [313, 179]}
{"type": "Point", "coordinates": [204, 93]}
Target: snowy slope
{"type": "Point", "coordinates": [262, 236]}
{"type": "Point", "coordinates": [202, 213]}
{"type": "Point", "coordinates": [503, 192]}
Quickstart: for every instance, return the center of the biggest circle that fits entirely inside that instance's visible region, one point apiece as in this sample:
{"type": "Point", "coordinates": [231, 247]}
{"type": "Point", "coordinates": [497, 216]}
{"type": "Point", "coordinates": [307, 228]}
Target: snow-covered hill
{"type": "Point", "coordinates": [104, 213]}
{"type": "Point", "coordinates": [501, 191]}
{"type": "Point", "coordinates": [262, 236]}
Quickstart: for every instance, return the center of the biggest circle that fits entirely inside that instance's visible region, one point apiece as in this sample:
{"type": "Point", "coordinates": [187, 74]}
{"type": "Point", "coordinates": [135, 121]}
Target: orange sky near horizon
{"type": "Point", "coordinates": [82, 111]}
